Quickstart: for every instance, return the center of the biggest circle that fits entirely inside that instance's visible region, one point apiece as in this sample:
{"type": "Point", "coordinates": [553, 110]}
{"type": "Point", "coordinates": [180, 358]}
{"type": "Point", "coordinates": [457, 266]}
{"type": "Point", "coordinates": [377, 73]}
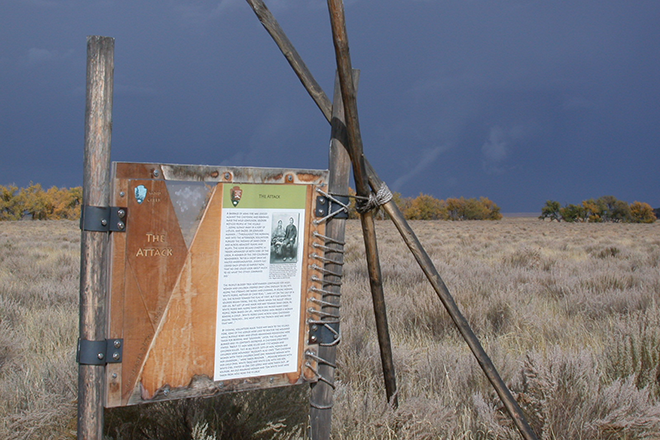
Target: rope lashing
{"type": "Point", "coordinates": [374, 201]}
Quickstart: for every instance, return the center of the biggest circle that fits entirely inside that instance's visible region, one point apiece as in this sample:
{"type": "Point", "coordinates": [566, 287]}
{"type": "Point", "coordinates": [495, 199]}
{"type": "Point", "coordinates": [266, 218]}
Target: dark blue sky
{"type": "Point", "coordinates": [517, 100]}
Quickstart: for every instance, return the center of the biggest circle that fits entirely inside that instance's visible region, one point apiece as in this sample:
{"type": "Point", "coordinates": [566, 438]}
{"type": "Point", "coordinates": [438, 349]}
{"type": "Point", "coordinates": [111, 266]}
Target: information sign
{"type": "Point", "coordinates": [211, 285]}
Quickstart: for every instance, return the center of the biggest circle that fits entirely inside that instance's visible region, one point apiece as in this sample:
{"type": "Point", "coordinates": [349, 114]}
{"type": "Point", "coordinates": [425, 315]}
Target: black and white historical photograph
{"type": "Point", "coordinates": [284, 238]}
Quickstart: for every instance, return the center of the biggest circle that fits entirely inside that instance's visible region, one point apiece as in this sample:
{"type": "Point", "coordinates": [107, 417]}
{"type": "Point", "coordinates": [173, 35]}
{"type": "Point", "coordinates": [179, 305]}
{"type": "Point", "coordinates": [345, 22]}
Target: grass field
{"type": "Point", "coordinates": [567, 312]}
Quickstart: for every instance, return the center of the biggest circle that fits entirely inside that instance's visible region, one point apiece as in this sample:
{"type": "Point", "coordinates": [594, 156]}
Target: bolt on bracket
{"type": "Point", "coordinates": [324, 334]}
{"type": "Point", "coordinates": [103, 219]}
{"type": "Point", "coordinates": [107, 351]}
{"type": "Point", "coordinates": [325, 206]}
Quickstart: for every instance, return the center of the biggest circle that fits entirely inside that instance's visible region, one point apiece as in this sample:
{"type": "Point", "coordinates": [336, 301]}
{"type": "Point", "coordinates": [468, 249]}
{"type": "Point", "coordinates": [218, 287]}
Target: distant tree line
{"type": "Point", "coordinates": [56, 203]}
{"type": "Point", "coordinates": [36, 203]}
{"type": "Point", "coordinates": [427, 207]}
{"type": "Point", "coordinates": [603, 209]}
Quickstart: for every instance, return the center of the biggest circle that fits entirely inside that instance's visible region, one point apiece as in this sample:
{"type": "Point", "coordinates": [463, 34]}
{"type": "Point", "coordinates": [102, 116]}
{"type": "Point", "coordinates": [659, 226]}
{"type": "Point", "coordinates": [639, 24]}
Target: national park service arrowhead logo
{"type": "Point", "coordinates": [236, 193]}
{"type": "Point", "coordinates": [140, 193]}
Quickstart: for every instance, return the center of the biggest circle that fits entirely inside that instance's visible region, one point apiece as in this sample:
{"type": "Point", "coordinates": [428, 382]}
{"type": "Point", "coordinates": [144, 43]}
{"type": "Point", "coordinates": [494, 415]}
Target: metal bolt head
{"type": "Point", "coordinates": [100, 356]}
{"type": "Point", "coordinates": [156, 173]}
{"type": "Point", "coordinates": [121, 213]}
{"type": "Point", "coordinates": [114, 375]}
{"type": "Point", "coordinates": [315, 327]}
{"type": "Point", "coordinates": [117, 343]}
{"type": "Point", "coordinates": [289, 178]}
{"type": "Point", "coordinates": [227, 176]}
{"type": "Point", "coordinates": [104, 222]}
{"type": "Point", "coordinates": [313, 339]}
{"type": "Point", "coordinates": [122, 194]}
{"type": "Point", "coordinates": [115, 356]}
{"type": "Point", "coordinates": [120, 225]}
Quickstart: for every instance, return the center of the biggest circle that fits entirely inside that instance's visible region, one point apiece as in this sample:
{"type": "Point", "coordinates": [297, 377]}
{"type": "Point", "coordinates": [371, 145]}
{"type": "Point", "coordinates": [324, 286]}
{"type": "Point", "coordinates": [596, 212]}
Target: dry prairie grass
{"type": "Point", "coordinates": [568, 313]}
{"type": "Point", "coordinates": [39, 267]}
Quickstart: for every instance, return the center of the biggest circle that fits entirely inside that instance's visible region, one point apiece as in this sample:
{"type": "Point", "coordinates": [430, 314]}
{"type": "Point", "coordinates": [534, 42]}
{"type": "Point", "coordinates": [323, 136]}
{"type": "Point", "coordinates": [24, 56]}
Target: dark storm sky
{"type": "Point", "coordinates": [518, 101]}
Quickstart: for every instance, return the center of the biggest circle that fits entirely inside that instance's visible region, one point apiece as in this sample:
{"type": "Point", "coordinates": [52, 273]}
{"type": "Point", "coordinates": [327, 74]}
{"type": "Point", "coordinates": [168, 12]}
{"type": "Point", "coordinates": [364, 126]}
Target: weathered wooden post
{"type": "Point", "coordinates": [321, 398]}
{"type": "Point", "coordinates": [344, 68]}
{"type": "Point", "coordinates": [94, 244]}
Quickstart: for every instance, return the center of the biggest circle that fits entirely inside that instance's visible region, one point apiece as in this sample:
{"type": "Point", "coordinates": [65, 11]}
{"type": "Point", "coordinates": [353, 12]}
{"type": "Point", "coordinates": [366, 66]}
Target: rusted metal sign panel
{"type": "Point", "coordinates": [211, 287]}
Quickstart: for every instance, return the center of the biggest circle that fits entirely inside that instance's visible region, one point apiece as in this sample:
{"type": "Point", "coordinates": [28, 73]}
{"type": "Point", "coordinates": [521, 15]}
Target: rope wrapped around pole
{"type": "Point", "coordinates": [375, 200]}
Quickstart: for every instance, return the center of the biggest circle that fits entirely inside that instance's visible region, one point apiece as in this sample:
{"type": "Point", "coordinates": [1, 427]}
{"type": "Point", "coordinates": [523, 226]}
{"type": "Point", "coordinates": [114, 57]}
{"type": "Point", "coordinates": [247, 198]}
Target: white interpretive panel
{"type": "Point", "coordinates": [260, 280]}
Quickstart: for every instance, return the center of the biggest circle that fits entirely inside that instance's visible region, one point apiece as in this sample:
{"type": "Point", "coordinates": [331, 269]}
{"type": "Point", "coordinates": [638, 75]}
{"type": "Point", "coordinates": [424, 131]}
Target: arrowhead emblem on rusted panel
{"type": "Point", "coordinates": [236, 194]}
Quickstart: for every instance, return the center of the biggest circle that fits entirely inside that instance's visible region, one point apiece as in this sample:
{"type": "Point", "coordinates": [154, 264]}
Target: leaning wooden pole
{"type": "Point", "coordinates": [291, 54]}
{"type": "Point", "coordinates": [424, 261]}
{"type": "Point", "coordinates": [94, 245]}
{"type": "Point", "coordinates": [345, 71]}
{"type": "Point", "coordinates": [322, 393]}
{"type": "Point", "coordinates": [461, 323]}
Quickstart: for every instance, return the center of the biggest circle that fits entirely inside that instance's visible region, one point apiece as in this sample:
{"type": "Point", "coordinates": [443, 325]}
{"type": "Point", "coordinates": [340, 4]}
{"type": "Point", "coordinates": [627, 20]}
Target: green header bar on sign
{"type": "Point", "coordinates": [256, 196]}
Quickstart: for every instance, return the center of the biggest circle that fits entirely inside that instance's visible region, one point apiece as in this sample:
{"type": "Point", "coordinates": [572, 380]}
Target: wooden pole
{"type": "Point", "coordinates": [344, 68]}
{"type": "Point", "coordinates": [291, 54]}
{"type": "Point", "coordinates": [94, 245]}
{"type": "Point", "coordinates": [321, 398]}
{"type": "Point", "coordinates": [461, 323]}
{"type": "Point", "coordinates": [368, 226]}
{"type": "Point", "coordinates": [429, 269]}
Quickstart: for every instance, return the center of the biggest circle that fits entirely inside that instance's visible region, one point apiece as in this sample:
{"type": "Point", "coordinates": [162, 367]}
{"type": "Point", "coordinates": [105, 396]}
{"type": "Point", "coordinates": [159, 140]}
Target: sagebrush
{"type": "Point", "coordinates": [568, 313]}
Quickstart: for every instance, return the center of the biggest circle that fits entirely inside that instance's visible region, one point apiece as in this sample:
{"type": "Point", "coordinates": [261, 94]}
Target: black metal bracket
{"type": "Point", "coordinates": [324, 334]}
{"type": "Point", "coordinates": [325, 206]}
{"type": "Point", "coordinates": [103, 219]}
{"type": "Point", "coordinates": [108, 351]}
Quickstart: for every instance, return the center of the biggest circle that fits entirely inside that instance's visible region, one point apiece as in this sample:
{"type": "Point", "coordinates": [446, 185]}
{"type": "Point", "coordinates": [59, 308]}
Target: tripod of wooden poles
{"type": "Point", "coordinates": [343, 117]}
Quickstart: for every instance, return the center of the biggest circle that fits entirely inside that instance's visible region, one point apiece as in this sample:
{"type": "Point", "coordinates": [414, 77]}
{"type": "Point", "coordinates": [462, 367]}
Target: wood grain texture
{"type": "Point", "coordinates": [322, 394]}
{"type": "Point", "coordinates": [184, 343]}
{"type": "Point", "coordinates": [155, 254]}
{"type": "Point", "coordinates": [94, 245]}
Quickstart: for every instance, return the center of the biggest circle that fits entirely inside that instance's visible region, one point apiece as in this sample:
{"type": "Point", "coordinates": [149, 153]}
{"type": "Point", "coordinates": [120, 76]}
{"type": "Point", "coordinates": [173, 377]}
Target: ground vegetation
{"type": "Point", "coordinates": [568, 313]}
{"type": "Point", "coordinates": [35, 203]}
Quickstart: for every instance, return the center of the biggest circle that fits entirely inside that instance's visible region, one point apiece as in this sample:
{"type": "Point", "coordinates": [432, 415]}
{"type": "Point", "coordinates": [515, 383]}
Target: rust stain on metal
{"type": "Point", "coordinates": [308, 177]}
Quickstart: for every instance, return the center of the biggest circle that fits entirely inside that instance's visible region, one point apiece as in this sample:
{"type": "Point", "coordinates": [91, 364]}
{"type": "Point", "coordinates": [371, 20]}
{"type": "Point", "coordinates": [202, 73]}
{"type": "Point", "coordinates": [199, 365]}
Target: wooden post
{"type": "Point", "coordinates": [344, 68]}
{"type": "Point", "coordinates": [321, 398]}
{"type": "Point", "coordinates": [94, 245]}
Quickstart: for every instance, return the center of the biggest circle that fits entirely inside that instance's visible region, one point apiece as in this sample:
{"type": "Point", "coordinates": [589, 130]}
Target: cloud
{"type": "Point", "coordinates": [427, 158]}
{"type": "Point", "coordinates": [498, 147]}
{"type": "Point", "coordinates": [577, 103]}
{"type": "Point", "coordinates": [37, 56]}
{"type": "Point", "coordinates": [193, 15]}
{"type": "Point", "coordinates": [47, 3]}
{"type": "Point", "coordinates": [273, 127]}
{"type": "Point", "coordinates": [135, 91]}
